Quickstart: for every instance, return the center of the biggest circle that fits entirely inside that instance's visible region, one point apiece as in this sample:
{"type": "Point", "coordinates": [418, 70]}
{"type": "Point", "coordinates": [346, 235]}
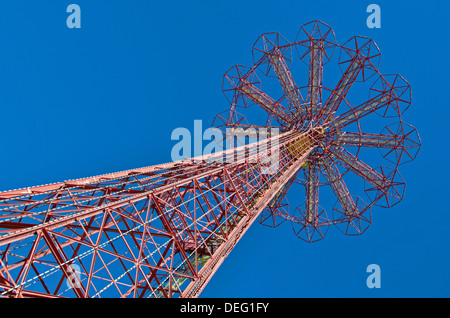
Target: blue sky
{"type": "Point", "coordinates": [106, 98]}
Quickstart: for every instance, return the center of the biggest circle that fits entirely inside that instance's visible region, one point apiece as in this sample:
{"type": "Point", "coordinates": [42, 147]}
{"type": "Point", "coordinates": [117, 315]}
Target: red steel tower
{"type": "Point", "coordinates": [164, 230]}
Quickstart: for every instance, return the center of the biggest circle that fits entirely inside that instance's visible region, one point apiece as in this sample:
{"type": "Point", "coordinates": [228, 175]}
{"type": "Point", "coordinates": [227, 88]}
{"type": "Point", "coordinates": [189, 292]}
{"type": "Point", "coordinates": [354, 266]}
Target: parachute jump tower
{"type": "Point", "coordinates": [164, 230]}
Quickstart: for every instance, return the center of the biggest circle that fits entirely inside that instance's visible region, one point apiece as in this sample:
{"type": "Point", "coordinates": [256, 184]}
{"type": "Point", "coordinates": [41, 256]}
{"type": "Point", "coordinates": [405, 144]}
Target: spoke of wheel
{"type": "Point", "coordinates": [264, 101]}
{"type": "Point", "coordinates": [360, 139]}
{"type": "Point", "coordinates": [339, 188]}
{"type": "Point", "coordinates": [312, 192]}
{"type": "Point", "coordinates": [363, 109]}
{"type": "Point", "coordinates": [343, 86]}
{"type": "Point", "coordinates": [353, 163]}
{"type": "Point", "coordinates": [315, 76]}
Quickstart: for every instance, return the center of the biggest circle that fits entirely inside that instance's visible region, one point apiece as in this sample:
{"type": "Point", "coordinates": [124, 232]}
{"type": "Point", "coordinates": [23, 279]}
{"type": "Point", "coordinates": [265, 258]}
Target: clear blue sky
{"type": "Point", "coordinates": [106, 97]}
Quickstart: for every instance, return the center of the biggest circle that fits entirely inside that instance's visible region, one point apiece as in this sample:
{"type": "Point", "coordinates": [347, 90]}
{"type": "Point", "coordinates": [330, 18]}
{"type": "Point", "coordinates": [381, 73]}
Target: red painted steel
{"type": "Point", "coordinates": [164, 230]}
{"type": "Point", "coordinates": [336, 107]}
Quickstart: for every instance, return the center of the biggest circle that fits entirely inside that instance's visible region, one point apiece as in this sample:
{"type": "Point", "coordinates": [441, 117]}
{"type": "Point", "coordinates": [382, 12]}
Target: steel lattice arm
{"type": "Point", "coordinates": [265, 102]}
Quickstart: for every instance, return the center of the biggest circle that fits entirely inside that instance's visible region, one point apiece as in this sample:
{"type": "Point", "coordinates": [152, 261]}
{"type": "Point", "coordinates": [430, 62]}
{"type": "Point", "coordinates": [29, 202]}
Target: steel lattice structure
{"type": "Point", "coordinates": [164, 230]}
